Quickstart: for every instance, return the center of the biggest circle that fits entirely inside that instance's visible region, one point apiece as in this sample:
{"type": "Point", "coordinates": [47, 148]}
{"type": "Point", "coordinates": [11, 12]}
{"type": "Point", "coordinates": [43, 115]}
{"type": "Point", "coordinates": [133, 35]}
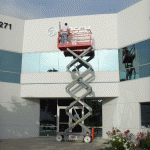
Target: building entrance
{"type": "Point", "coordinates": [64, 121]}
{"type": "Point", "coordinates": [53, 116]}
{"type": "Point", "coordinates": [48, 114]}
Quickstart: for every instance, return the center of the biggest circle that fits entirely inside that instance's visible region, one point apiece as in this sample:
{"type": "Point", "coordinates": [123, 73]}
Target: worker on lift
{"type": "Point", "coordinates": [65, 33]}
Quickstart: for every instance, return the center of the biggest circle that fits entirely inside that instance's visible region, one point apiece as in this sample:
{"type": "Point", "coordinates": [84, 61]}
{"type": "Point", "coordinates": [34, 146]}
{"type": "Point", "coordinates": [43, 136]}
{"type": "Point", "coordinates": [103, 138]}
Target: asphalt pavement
{"type": "Point", "coordinates": [50, 143]}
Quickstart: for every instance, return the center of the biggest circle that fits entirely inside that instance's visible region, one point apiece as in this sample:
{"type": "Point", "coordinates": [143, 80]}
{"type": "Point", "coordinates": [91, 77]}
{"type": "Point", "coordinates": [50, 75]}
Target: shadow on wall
{"type": "Point", "coordinates": [107, 100]}
{"type": "Point", "coordinates": [122, 116]}
{"type": "Point", "coordinates": [18, 118]}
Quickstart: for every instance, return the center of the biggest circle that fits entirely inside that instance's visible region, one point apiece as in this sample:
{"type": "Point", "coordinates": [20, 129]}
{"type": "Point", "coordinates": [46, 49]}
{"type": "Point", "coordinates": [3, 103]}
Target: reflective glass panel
{"type": "Point", "coordinates": [10, 61]}
{"type": "Point", "coordinates": [48, 117]}
{"type": "Point", "coordinates": [9, 77]}
{"type": "Point", "coordinates": [48, 131]}
{"type": "Point", "coordinates": [30, 63]}
{"type": "Point", "coordinates": [63, 62]}
{"type": "Point", "coordinates": [108, 60]}
{"type": "Point", "coordinates": [136, 56]}
{"type": "Point", "coordinates": [49, 62]}
{"type": "Point", "coordinates": [144, 71]}
{"type": "Point", "coordinates": [143, 51]}
{"type": "Point", "coordinates": [135, 73]}
{"type": "Point", "coordinates": [129, 74]}
{"type": "Point", "coordinates": [92, 60]}
{"type": "Point", "coordinates": [145, 117]}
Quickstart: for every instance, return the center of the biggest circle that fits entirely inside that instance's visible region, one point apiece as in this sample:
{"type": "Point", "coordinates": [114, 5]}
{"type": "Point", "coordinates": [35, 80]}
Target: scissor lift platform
{"type": "Point", "coordinates": [76, 40]}
{"type": "Point", "coordinates": [79, 46]}
{"type": "Point", "coordinates": [67, 54]}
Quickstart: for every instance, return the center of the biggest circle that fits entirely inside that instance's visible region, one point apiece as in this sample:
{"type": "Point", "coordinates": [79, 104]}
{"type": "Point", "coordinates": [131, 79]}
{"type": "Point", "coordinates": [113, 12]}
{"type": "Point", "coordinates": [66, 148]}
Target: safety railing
{"type": "Point", "coordinates": [75, 38]}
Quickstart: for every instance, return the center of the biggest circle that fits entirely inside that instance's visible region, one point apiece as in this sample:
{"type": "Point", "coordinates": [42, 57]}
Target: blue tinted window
{"type": "Point", "coordinates": [108, 60]}
{"type": "Point", "coordinates": [9, 77]}
{"type": "Point", "coordinates": [144, 71]}
{"type": "Point", "coordinates": [143, 50]}
{"type": "Point", "coordinates": [31, 63]}
{"type": "Point", "coordinates": [10, 61]}
{"type": "Point", "coordinates": [56, 61]}
{"type": "Point", "coordinates": [129, 74]}
{"type": "Point", "coordinates": [49, 62]}
{"type": "Point", "coordinates": [133, 57]}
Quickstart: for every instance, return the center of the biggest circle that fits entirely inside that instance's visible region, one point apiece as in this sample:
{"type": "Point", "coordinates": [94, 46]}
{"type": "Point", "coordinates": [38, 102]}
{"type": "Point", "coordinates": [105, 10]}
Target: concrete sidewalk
{"type": "Point", "coordinates": [49, 143]}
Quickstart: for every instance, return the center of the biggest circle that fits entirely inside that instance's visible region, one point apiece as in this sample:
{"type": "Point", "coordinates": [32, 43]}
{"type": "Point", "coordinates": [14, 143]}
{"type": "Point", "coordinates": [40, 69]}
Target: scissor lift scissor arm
{"type": "Point", "coordinates": [79, 80]}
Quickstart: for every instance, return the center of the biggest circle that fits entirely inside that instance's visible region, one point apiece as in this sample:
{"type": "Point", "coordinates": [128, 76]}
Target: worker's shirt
{"type": "Point", "coordinates": [65, 28]}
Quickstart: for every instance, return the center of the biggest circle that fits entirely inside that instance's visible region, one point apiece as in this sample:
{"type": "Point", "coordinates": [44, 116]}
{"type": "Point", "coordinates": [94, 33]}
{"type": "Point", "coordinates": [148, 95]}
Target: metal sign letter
{"type": "Point", "coordinates": [52, 31]}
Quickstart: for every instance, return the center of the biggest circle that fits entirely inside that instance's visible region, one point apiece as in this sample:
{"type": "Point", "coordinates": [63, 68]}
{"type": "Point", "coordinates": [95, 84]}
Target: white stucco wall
{"type": "Point", "coordinates": [19, 118]}
{"type": "Point", "coordinates": [37, 39]}
{"type": "Point", "coordinates": [134, 24]}
{"type": "Point", "coordinates": [53, 84]}
{"type": "Point", "coordinates": [124, 112]}
{"type": "Point", "coordinates": [12, 40]}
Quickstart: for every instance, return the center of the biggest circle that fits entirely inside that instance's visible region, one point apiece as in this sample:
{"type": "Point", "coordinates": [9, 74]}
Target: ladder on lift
{"type": "Point", "coordinates": [78, 80]}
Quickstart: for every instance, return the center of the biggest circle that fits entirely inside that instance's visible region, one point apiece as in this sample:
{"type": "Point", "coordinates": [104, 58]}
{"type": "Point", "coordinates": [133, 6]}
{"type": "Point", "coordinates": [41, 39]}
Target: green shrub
{"type": "Point", "coordinates": [117, 145]}
{"type": "Point", "coordinates": [119, 140]}
{"type": "Point", "coordinates": [145, 143]}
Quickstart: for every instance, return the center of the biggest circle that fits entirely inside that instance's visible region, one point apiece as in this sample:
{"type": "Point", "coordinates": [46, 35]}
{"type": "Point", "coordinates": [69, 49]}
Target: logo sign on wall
{"type": "Point", "coordinates": [80, 29]}
{"type": "Point", "coordinates": [52, 31]}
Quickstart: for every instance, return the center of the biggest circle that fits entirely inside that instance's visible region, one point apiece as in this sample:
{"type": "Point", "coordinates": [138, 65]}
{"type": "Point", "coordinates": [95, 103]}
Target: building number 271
{"type": "Point", "coordinates": [4, 25]}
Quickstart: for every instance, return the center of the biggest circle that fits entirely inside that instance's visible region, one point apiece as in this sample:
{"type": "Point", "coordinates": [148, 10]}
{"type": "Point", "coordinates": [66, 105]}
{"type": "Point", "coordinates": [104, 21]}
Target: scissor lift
{"type": "Point", "coordinates": [76, 41]}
